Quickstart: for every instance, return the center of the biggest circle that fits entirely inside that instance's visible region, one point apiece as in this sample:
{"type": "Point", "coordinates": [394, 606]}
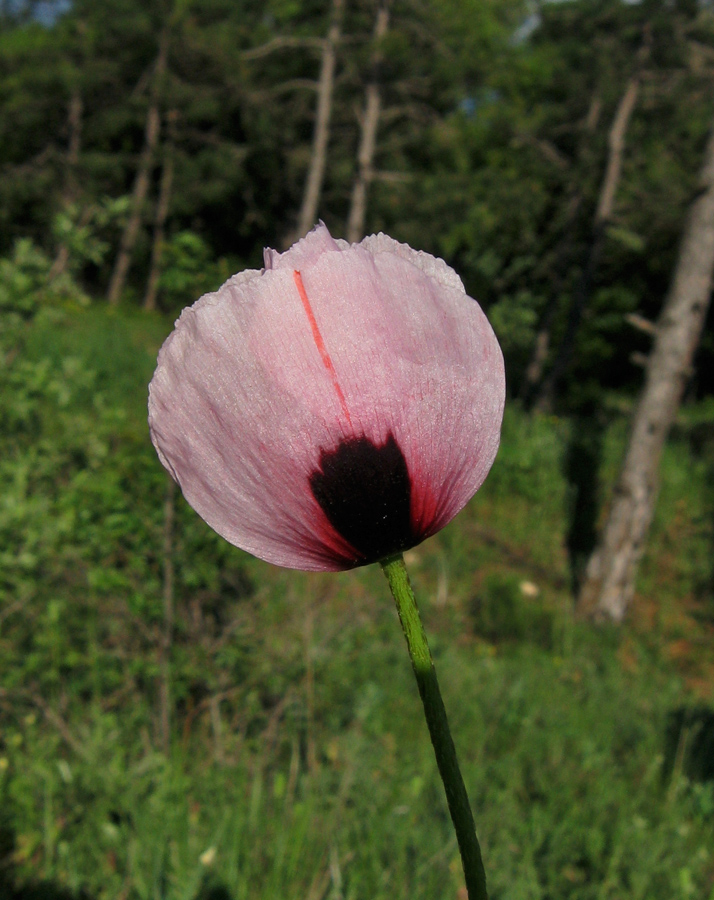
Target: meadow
{"type": "Point", "coordinates": [180, 721]}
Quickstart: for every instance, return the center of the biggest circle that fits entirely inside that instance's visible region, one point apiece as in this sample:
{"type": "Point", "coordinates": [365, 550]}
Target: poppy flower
{"type": "Point", "coordinates": [335, 408]}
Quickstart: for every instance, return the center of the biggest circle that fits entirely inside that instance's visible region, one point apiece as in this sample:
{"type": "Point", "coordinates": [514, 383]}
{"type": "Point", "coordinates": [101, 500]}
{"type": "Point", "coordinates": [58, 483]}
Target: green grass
{"type": "Point", "coordinates": [299, 764]}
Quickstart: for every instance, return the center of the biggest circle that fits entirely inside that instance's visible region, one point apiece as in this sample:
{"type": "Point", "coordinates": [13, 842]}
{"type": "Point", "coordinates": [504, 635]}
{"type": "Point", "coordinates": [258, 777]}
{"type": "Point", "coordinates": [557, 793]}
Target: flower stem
{"type": "Point", "coordinates": [441, 739]}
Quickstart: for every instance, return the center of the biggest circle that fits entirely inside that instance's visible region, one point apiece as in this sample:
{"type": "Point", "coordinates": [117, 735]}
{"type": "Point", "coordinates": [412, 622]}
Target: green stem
{"type": "Point", "coordinates": [423, 665]}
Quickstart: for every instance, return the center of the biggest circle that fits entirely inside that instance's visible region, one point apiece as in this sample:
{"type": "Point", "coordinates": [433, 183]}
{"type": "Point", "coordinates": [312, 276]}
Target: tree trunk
{"type": "Point", "coordinates": [143, 174]}
{"type": "Point", "coordinates": [368, 133]}
{"type": "Point", "coordinates": [616, 144]}
{"type": "Point", "coordinates": [321, 135]}
{"type": "Point", "coordinates": [71, 189]}
{"type": "Point", "coordinates": [609, 581]}
{"type": "Point", "coordinates": [603, 214]}
{"type": "Point", "coordinates": [162, 212]}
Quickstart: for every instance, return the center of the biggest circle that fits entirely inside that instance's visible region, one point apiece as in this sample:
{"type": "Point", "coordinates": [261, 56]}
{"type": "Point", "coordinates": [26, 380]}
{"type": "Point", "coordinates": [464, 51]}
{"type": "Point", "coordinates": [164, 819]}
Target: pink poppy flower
{"type": "Point", "coordinates": [335, 408]}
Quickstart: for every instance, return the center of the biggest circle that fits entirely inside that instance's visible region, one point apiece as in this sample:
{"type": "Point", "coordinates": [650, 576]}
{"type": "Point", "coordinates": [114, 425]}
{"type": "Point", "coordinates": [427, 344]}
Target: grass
{"type": "Point", "coordinates": [299, 765]}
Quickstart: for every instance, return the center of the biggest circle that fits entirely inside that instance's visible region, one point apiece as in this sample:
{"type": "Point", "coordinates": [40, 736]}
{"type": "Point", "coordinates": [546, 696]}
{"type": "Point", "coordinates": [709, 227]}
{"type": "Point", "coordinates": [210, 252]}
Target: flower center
{"type": "Point", "coordinates": [365, 492]}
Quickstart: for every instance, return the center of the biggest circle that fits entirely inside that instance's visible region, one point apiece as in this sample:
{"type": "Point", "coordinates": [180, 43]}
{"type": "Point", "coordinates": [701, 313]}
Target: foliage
{"type": "Point", "coordinates": [189, 269]}
{"type": "Point", "coordinates": [25, 283]}
{"type": "Point", "coordinates": [491, 151]}
{"type": "Point", "coordinates": [180, 721]}
{"type": "Point", "coordinates": [298, 761]}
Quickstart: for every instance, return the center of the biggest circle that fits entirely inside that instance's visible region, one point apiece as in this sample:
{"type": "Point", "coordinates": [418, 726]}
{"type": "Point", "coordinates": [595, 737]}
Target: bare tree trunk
{"type": "Point", "coordinates": [616, 143]}
{"type": "Point", "coordinates": [609, 580]}
{"type": "Point", "coordinates": [143, 174]}
{"type": "Point", "coordinates": [603, 214]}
{"type": "Point", "coordinates": [167, 636]}
{"type": "Point", "coordinates": [321, 135]}
{"type": "Point", "coordinates": [71, 190]}
{"type": "Point", "coordinates": [368, 133]}
{"type": "Point", "coordinates": [162, 212]}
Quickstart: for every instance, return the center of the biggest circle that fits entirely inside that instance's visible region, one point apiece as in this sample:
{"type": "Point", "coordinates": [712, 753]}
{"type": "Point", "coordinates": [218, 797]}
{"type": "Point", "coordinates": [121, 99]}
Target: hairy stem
{"type": "Point", "coordinates": [441, 739]}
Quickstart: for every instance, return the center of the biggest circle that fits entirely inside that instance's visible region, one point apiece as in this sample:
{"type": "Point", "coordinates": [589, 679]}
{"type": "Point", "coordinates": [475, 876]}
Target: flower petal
{"type": "Point", "coordinates": [304, 252]}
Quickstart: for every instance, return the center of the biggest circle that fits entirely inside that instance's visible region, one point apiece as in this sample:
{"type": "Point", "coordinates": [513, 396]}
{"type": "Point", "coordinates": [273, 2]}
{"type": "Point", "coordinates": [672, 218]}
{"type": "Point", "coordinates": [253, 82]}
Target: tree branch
{"type": "Point", "coordinates": [282, 42]}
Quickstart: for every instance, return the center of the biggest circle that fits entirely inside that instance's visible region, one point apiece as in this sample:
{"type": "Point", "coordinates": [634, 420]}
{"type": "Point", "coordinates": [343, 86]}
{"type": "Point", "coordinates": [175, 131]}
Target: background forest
{"type": "Point", "coordinates": [179, 720]}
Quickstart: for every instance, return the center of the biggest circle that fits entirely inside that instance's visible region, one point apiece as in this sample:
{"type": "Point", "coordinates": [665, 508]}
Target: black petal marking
{"type": "Point", "coordinates": [365, 492]}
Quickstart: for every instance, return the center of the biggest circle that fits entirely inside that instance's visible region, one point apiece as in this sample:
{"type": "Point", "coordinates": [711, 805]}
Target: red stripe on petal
{"type": "Point", "coordinates": [320, 344]}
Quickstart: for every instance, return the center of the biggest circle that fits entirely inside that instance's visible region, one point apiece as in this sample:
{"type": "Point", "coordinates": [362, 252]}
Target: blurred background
{"type": "Point", "coordinates": [181, 721]}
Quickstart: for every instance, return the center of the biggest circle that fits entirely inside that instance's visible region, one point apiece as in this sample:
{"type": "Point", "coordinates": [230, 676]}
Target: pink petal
{"type": "Point", "coordinates": [304, 252]}
{"type": "Point", "coordinates": [332, 345]}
